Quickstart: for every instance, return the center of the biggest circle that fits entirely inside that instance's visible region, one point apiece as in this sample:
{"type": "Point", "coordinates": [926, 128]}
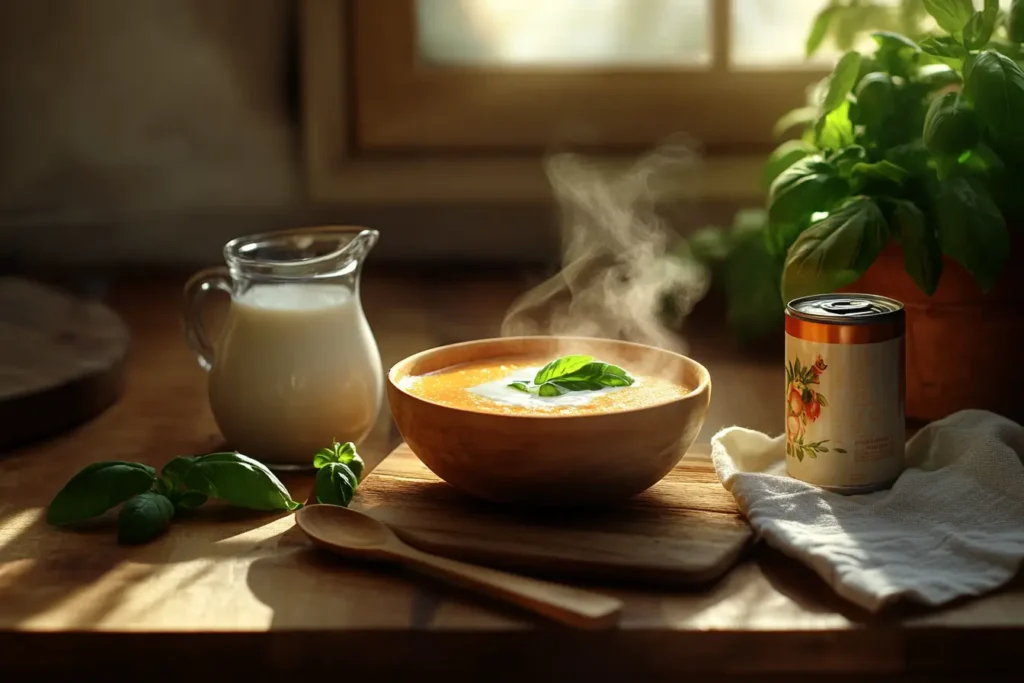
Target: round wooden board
{"type": "Point", "coordinates": [62, 360]}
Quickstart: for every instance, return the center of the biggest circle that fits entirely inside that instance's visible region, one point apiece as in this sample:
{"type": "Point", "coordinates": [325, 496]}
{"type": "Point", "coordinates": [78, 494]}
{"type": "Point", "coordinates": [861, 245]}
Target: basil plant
{"type": "Point", "coordinates": [919, 142]}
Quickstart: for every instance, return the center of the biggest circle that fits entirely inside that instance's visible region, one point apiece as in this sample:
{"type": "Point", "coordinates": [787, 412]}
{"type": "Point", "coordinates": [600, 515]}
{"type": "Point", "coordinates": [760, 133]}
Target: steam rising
{"type": "Point", "coordinates": [616, 272]}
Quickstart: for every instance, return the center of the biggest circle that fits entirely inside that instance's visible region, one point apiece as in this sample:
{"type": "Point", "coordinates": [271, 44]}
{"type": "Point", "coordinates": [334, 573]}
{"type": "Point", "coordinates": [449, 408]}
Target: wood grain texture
{"type": "Point", "coordinates": [61, 360]}
{"type": "Point", "coordinates": [545, 460]}
{"type": "Point", "coordinates": [228, 595]}
{"type": "Point", "coordinates": [686, 529]}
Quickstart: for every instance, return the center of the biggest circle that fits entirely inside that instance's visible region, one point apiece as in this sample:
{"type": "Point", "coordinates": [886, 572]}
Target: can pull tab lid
{"type": "Point", "coordinates": [847, 306]}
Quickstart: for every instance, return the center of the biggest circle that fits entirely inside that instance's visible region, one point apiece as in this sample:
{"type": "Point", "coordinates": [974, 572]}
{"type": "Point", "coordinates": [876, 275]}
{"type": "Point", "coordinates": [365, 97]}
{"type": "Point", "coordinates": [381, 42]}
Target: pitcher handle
{"type": "Point", "coordinates": [195, 333]}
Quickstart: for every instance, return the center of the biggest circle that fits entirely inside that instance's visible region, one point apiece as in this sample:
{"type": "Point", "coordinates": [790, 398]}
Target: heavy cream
{"type": "Point", "coordinates": [295, 367]}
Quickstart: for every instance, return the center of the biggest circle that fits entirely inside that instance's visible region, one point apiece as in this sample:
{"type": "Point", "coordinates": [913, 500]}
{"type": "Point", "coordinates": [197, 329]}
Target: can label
{"type": "Point", "coordinates": [844, 412]}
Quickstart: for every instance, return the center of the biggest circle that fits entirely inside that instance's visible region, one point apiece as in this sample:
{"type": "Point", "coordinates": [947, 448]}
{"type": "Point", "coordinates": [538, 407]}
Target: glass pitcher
{"type": "Point", "coordinates": [296, 365]}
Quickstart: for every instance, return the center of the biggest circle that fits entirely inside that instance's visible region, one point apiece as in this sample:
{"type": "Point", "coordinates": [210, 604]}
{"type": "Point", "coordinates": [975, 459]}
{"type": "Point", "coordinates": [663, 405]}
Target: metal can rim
{"type": "Point", "coordinates": [895, 313]}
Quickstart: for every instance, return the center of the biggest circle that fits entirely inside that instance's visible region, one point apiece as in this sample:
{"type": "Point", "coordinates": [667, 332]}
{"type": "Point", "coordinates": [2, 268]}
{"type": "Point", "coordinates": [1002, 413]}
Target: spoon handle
{"type": "Point", "coordinates": [571, 606]}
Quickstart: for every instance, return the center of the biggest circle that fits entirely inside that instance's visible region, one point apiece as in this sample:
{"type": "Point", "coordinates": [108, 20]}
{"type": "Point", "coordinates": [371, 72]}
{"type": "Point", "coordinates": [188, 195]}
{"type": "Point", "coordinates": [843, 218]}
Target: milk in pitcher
{"type": "Point", "coordinates": [296, 367]}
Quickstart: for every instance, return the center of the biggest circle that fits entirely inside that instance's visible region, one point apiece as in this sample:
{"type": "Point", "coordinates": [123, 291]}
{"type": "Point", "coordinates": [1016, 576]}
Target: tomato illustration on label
{"type": "Point", "coordinates": [803, 408]}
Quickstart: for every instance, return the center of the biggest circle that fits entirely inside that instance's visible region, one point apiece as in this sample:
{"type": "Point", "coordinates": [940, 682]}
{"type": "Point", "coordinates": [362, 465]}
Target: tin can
{"type": "Point", "coordinates": [845, 391]}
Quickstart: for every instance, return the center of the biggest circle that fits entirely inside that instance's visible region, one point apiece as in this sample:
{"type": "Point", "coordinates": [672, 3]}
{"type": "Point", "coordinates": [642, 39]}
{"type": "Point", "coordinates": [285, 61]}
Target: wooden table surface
{"type": "Point", "coordinates": [256, 600]}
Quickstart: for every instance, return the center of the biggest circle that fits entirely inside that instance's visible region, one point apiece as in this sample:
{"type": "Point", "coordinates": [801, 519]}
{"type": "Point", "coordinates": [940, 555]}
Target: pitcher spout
{"type": "Point", "coordinates": [361, 244]}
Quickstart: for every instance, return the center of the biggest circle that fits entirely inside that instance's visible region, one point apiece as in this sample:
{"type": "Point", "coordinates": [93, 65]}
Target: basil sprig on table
{"type": "Point", "coordinates": [152, 501]}
{"type": "Point", "coordinates": [338, 470]}
{"type": "Point", "coordinates": [574, 373]}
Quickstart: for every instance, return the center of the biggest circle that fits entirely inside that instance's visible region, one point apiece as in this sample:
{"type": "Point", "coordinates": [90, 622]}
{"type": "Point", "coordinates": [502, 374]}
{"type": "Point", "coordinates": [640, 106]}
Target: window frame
{"type": "Point", "coordinates": [405, 105]}
{"type": "Point", "coordinates": [399, 168]}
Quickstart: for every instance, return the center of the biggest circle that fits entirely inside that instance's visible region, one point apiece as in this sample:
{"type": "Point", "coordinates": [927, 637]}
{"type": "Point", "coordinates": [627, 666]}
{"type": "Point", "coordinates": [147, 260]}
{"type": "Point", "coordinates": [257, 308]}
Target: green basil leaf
{"type": "Point", "coordinates": [846, 158]}
{"type": "Point", "coordinates": [337, 452]}
{"type": "Point", "coordinates": [894, 41]}
{"type": "Point", "coordinates": [835, 251]}
{"type": "Point", "coordinates": [951, 15]}
{"type": "Point", "coordinates": [550, 390]}
{"type": "Point", "coordinates": [174, 471]}
{"type": "Point", "coordinates": [592, 384]}
{"type": "Point", "coordinates": [356, 464]}
{"type": "Point", "coordinates": [784, 156]}
{"type": "Point", "coordinates": [819, 29]}
{"type": "Point", "coordinates": [835, 130]}
{"type": "Point", "coordinates": [979, 28]}
{"type": "Point", "coordinates": [971, 229]}
{"type": "Point", "coordinates": [875, 99]}
{"type": "Point", "coordinates": [950, 126]}
{"type": "Point", "coordinates": [809, 185]}
{"type": "Point", "coordinates": [335, 484]}
{"type": "Point", "coordinates": [896, 54]}
{"type": "Point", "coordinates": [995, 84]}
{"type": "Point", "coordinates": [921, 254]}
{"type": "Point", "coordinates": [577, 384]}
{"type": "Point", "coordinates": [880, 170]}
{"type": "Point", "coordinates": [590, 376]}
{"type": "Point", "coordinates": [944, 47]}
{"type": "Point", "coordinates": [323, 457]}
{"type": "Point", "coordinates": [599, 369]}
{"type": "Point", "coordinates": [844, 76]}
{"type": "Point", "coordinates": [189, 500]}
{"type": "Point", "coordinates": [610, 380]}
{"type": "Point", "coordinates": [561, 366]}
{"type": "Point", "coordinates": [98, 488]}
{"type": "Point", "coordinates": [238, 480]}
{"type": "Point", "coordinates": [1015, 21]}
{"type": "Point", "coordinates": [912, 156]}
{"type": "Point", "coordinates": [599, 374]}
{"type": "Point", "coordinates": [144, 517]}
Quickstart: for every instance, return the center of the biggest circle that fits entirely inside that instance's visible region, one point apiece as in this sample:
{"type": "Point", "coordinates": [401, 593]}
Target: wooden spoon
{"type": "Point", "coordinates": [355, 534]}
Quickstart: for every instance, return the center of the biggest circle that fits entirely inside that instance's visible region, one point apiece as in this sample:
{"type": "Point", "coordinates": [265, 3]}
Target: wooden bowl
{"type": "Point", "coordinates": [551, 460]}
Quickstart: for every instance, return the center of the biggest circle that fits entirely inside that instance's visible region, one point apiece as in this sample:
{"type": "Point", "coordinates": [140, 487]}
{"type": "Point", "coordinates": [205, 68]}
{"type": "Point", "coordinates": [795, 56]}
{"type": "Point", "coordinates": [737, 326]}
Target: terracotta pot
{"type": "Point", "coordinates": [962, 345]}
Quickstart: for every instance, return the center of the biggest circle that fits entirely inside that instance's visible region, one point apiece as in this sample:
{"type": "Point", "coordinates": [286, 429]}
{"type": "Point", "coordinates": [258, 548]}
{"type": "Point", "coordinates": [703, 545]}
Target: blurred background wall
{"type": "Point", "coordinates": [151, 131]}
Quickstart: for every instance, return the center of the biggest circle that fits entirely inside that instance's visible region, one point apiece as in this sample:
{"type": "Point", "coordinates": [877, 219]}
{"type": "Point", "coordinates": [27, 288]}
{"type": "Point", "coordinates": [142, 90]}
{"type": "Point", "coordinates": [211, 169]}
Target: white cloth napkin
{"type": "Point", "coordinates": [952, 525]}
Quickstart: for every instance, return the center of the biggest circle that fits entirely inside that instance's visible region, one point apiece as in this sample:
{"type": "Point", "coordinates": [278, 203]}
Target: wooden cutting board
{"type": "Point", "coordinates": [684, 530]}
{"type": "Point", "coordinates": [62, 360]}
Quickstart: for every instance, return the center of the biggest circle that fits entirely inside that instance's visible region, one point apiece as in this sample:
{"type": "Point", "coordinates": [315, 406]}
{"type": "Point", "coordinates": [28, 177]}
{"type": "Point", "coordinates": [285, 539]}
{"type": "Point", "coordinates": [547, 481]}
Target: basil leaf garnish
{"type": "Point", "coordinates": [144, 517]}
{"type": "Point", "coordinates": [239, 480]}
{"type": "Point", "coordinates": [550, 389]}
{"type": "Point", "coordinates": [574, 373]}
{"type": "Point", "coordinates": [560, 367]}
{"type": "Point", "coordinates": [98, 488]}
{"type": "Point", "coordinates": [335, 484]}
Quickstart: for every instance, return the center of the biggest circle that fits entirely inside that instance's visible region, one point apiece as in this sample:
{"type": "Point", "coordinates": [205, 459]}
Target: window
{"type": "Point", "coordinates": [479, 87]}
{"type": "Point", "coordinates": [472, 75]}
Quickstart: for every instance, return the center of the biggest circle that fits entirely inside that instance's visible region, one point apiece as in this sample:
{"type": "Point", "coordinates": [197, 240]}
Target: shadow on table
{"type": "Point", "coordinates": [42, 567]}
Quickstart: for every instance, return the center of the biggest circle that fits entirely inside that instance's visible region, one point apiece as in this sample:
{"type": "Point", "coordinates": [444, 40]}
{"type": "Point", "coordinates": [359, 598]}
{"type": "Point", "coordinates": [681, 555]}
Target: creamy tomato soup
{"type": "Point", "coordinates": [483, 386]}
